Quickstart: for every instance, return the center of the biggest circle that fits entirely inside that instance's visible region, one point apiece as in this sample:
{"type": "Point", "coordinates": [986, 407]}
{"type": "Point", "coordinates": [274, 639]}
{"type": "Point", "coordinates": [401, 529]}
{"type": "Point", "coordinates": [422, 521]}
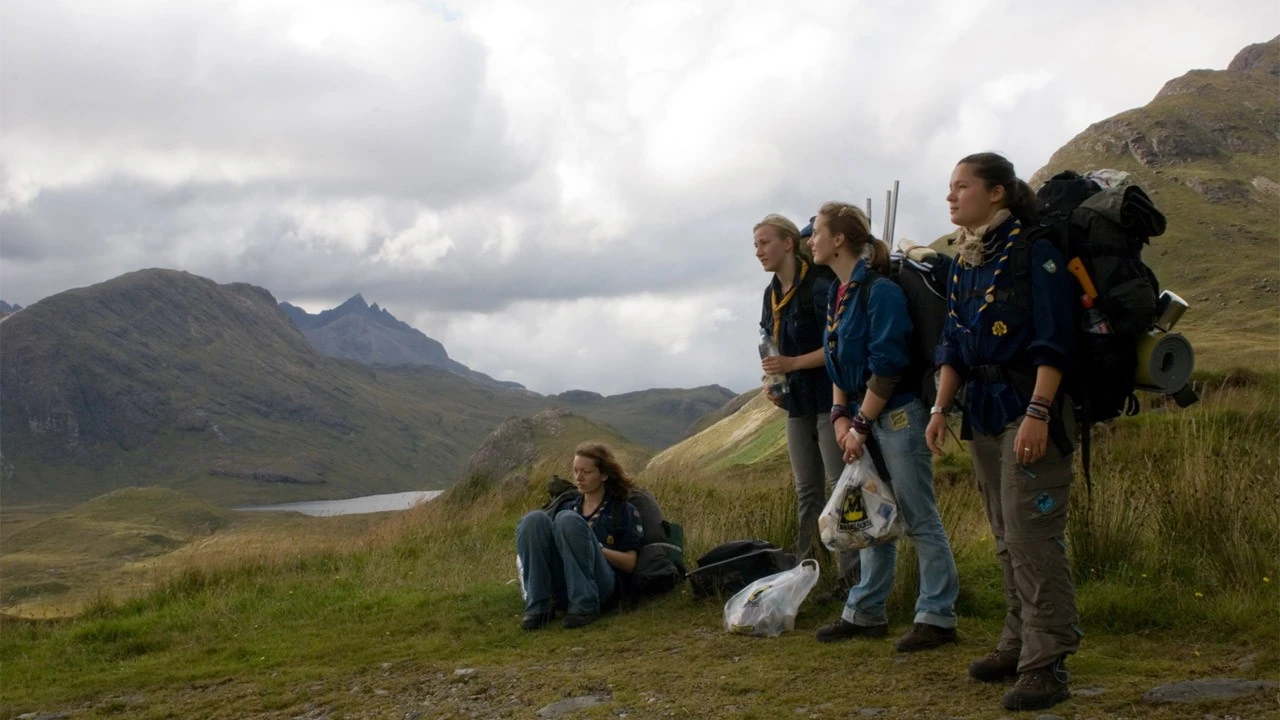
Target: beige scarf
{"type": "Point", "coordinates": [969, 245]}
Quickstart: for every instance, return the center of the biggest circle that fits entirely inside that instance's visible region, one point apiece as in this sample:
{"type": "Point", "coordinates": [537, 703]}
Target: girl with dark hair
{"type": "Point", "coordinates": [793, 314]}
{"type": "Point", "coordinates": [1011, 352]}
{"type": "Point", "coordinates": [867, 345]}
{"type": "Point", "coordinates": [576, 556]}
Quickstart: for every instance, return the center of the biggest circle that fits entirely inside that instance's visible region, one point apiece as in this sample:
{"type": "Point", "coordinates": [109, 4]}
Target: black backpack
{"type": "Point", "coordinates": [729, 567]}
{"type": "Point", "coordinates": [1106, 230]}
{"type": "Point", "coordinates": [923, 279]}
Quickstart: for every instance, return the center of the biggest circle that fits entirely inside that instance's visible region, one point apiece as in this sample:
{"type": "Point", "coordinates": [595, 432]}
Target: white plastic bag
{"type": "Point", "coordinates": [862, 510]}
{"type": "Point", "coordinates": [769, 605]}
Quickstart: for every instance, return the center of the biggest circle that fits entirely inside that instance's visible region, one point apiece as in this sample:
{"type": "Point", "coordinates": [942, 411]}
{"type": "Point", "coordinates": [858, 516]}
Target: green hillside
{"type": "Point", "coordinates": [657, 417]}
{"type": "Point", "coordinates": [1206, 150]}
{"type": "Point", "coordinates": [756, 433]}
{"type": "Point", "coordinates": [417, 616]}
{"type": "Point", "coordinates": [164, 378]}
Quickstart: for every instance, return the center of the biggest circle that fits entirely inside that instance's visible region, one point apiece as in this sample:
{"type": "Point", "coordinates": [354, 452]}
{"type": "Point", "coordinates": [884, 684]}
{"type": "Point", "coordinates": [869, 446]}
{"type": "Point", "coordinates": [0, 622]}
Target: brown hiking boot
{"type": "Point", "coordinates": [1040, 688]}
{"type": "Point", "coordinates": [924, 636]}
{"type": "Point", "coordinates": [843, 630]}
{"type": "Point", "coordinates": [998, 666]}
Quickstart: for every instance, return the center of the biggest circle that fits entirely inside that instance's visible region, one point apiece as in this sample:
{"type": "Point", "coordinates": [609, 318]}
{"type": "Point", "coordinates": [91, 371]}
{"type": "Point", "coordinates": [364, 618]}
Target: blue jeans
{"type": "Point", "coordinates": [911, 475]}
{"type": "Point", "coordinates": [562, 564]}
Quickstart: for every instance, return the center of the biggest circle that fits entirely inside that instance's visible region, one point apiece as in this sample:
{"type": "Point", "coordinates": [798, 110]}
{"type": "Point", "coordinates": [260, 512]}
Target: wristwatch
{"type": "Point", "coordinates": [936, 409]}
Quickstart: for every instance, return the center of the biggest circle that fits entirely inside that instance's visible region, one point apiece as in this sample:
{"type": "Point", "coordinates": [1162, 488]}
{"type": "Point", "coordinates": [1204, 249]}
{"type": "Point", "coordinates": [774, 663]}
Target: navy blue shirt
{"type": "Point", "coordinates": [803, 318]}
{"type": "Point", "coordinates": [1006, 334]}
{"type": "Point", "coordinates": [875, 339]}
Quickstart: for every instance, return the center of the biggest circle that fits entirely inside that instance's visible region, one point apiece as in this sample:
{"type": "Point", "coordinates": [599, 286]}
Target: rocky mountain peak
{"type": "Point", "coordinates": [1263, 57]}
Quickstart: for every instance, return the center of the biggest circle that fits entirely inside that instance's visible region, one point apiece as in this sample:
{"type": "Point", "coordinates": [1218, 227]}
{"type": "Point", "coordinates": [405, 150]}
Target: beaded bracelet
{"type": "Point", "coordinates": [1037, 412]}
{"type": "Point", "coordinates": [1041, 400]}
{"type": "Point", "coordinates": [840, 411]}
{"type": "Point", "coordinates": [861, 424]}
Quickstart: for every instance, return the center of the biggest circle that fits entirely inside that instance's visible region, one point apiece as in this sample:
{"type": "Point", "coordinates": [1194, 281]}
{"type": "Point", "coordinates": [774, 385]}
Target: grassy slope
{"type": "Point", "coordinates": [1218, 255]}
{"type": "Point", "coordinates": [1172, 587]}
{"type": "Point", "coordinates": [657, 417]}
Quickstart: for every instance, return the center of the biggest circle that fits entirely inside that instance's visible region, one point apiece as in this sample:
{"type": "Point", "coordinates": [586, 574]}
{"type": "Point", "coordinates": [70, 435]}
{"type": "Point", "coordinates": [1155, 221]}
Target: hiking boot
{"type": "Point", "coordinates": [537, 620]}
{"type": "Point", "coordinates": [577, 620]}
{"type": "Point", "coordinates": [924, 636]}
{"type": "Point", "coordinates": [843, 630]}
{"type": "Point", "coordinates": [997, 666]}
{"type": "Point", "coordinates": [1041, 688]}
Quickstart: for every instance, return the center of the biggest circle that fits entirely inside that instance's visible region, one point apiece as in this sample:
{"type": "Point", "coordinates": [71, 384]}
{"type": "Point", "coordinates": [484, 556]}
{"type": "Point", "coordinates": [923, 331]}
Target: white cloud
{"type": "Point", "coordinates": [561, 192]}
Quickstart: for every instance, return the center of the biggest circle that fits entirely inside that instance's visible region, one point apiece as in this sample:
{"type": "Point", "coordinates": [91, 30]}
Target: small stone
{"type": "Point", "coordinates": [577, 649]}
{"type": "Point", "coordinates": [802, 710]}
{"type": "Point", "coordinates": [1248, 662]}
{"type": "Point", "coordinates": [1088, 691]}
{"type": "Point", "coordinates": [1049, 717]}
{"type": "Point", "coordinates": [387, 666]}
{"type": "Point", "coordinates": [381, 692]}
{"type": "Point", "coordinates": [463, 672]}
{"type": "Point", "coordinates": [1207, 689]}
{"type": "Point", "coordinates": [560, 707]}
{"type": "Point", "coordinates": [872, 712]}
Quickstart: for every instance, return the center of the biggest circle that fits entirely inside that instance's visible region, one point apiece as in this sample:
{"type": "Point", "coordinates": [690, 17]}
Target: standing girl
{"type": "Point", "coordinates": [867, 343]}
{"type": "Point", "coordinates": [792, 314]}
{"type": "Point", "coordinates": [1009, 336]}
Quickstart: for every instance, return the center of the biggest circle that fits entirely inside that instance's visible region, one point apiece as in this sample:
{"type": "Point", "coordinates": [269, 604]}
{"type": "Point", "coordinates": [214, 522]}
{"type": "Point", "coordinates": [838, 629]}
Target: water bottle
{"type": "Point", "coordinates": [777, 382]}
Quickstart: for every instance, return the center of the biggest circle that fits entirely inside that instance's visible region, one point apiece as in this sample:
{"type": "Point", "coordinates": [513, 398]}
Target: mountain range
{"type": "Point", "coordinates": [371, 335]}
{"type": "Point", "coordinates": [161, 377]}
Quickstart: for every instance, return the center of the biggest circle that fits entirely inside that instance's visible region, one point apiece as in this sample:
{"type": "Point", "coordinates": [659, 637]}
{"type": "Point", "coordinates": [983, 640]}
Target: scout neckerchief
{"type": "Point", "coordinates": [833, 316]}
{"type": "Point", "coordinates": [779, 304]}
{"type": "Point", "coordinates": [595, 514]}
{"type": "Point", "coordinates": [990, 295]}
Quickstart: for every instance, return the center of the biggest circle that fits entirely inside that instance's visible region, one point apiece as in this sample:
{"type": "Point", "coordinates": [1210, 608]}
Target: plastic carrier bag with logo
{"type": "Point", "coordinates": [862, 510]}
{"type": "Point", "coordinates": [768, 606]}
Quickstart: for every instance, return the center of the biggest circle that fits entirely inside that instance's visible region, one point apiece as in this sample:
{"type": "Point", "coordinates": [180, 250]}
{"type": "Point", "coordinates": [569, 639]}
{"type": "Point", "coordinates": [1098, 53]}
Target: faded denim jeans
{"type": "Point", "coordinates": [562, 564]}
{"type": "Point", "coordinates": [910, 464]}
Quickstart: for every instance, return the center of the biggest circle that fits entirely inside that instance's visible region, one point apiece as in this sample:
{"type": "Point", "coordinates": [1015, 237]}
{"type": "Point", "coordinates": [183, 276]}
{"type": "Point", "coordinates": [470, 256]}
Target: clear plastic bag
{"type": "Point", "coordinates": [862, 510]}
{"type": "Point", "coordinates": [768, 606]}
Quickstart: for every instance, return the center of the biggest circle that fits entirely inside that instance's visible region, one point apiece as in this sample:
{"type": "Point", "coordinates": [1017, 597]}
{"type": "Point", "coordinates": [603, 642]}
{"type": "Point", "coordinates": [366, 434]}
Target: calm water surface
{"type": "Point", "coordinates": [351, 506]}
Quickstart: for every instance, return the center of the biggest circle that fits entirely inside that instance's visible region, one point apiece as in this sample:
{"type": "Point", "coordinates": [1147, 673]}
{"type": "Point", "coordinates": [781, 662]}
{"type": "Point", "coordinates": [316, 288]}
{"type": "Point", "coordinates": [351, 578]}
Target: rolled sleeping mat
{"type": "Point", "coordinates": [1165, 362]}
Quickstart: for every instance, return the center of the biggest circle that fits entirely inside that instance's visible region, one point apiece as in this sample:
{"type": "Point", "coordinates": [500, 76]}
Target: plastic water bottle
{"type": "Point", "coordinates": [777, 382]}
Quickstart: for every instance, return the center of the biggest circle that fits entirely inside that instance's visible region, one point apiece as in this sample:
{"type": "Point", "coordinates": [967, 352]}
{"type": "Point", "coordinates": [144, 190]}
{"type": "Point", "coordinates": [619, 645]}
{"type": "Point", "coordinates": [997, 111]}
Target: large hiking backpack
{"type": "Point", "coordinates": [1105, 228]}
{"type": "Point", "coordinates": [922, 274]}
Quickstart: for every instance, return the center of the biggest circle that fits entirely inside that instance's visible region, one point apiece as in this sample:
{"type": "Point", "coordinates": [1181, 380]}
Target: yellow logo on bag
{"type": "Point", "coordinates": [999, 329]}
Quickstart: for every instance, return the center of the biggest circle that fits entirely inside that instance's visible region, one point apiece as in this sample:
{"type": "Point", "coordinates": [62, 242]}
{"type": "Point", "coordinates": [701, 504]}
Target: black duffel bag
{"type": "Point", "coordinates": [729, 567]}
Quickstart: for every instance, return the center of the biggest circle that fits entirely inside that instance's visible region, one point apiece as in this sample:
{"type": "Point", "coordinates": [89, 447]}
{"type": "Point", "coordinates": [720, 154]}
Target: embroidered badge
{"type": "Point", "coordinates": [608, 540]}
{"type": "Point", "coordinates": [999, 329]}
{"type": "Point", "coordinates": [1050, 266]}
{"type": "Point", "coordinates": [899, 420]}
{"type": "Point", "coordinates": [1044, 502]}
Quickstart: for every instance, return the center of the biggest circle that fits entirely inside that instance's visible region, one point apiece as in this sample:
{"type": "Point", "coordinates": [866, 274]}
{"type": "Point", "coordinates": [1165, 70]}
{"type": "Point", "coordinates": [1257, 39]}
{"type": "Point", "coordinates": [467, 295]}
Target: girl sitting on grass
{"type": "Point", "coordinates": [576, 556]}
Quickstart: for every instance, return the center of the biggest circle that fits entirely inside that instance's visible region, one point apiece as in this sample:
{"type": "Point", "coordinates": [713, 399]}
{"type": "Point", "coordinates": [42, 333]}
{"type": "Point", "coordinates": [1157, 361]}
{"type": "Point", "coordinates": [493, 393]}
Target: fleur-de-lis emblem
{"type": "Point", "coordinates": [999, 329]}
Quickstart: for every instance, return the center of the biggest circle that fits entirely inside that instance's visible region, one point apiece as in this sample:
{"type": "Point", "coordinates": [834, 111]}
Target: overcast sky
{"type": "Point", "coordinates": [560, 192]}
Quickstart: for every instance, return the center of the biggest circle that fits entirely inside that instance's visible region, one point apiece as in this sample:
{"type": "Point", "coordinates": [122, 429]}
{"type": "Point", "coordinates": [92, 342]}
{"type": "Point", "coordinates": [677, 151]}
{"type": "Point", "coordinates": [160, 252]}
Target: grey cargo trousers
{"type": "Point", "coordinates": [817, 463]}
{"type": "Point", "coordinates": [1027, 509]}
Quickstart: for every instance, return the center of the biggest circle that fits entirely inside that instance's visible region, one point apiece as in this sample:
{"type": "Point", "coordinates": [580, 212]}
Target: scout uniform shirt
{"type": "Point", "coordinates": [616, 524]}
{"type": "Point", "coordinates": [990, 335]}
{"type": "Point", "coordinates": [862, 341]}
{"type": "Point", "coordinates": [799, 332]}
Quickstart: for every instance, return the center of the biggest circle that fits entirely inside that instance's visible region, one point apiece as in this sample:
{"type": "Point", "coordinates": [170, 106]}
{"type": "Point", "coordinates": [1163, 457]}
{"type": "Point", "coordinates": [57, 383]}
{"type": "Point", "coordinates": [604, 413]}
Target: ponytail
{"type": "Point", "coordinates": [877, 255]}
{"type": "Point", "coordinates": [1022, 202]}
